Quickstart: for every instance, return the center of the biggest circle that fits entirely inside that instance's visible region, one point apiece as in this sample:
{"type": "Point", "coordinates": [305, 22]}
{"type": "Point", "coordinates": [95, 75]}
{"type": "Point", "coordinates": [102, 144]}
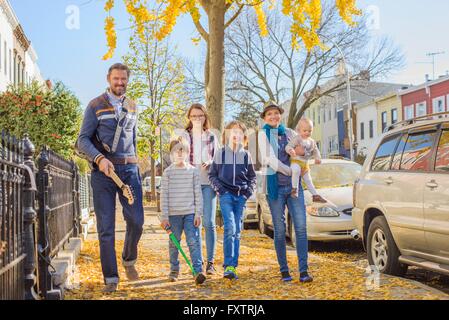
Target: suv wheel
{"type": "Point", "coordinates": [382, 250]}
{"type": "Point", "coordinates": [261, 224]}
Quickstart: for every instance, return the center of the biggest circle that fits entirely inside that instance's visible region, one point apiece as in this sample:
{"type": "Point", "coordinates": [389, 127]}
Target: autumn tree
{"type": "Point", "coordinates": [157, 85]}
{"type": "Point", "coordinates": [305, 17]}
{"type": "Point", "coordinates": [269, 68]}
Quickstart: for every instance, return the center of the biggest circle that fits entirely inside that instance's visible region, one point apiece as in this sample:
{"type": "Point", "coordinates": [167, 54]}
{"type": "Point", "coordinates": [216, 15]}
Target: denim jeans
{"type": "Point", "coordinates": [209, 213]}
{"type": "Point", "coordinates": [104, 196]}
{"type": "Point", "coordinates": [232, 207]}
{"type": "Point", "coordinates": [178, 225]}
{"type": "Point", "coordinates": [297, 210]}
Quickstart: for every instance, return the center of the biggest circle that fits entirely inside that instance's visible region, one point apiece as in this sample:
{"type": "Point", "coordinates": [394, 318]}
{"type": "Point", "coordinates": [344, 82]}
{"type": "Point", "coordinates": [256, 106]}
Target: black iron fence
{"type": "Point", "coordinates": [36, 222]}
{"type": "Point", "coordinates": [12, 251]}
{"type": "Point", "coordinates": [59, 211]}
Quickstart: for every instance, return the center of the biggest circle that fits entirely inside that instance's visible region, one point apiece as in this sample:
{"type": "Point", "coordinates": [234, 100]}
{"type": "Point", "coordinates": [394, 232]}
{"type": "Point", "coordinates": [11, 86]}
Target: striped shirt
{"type": "Point", "coordinates": [181, 192]}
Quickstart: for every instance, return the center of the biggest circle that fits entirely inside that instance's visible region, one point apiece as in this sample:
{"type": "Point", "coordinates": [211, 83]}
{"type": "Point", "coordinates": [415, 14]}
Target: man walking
{"type": "Point", "coordinates": [108, 140]}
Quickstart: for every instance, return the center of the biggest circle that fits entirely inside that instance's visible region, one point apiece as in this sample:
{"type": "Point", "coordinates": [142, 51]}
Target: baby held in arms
{"type": "Point", "coordinates": [299, 164]}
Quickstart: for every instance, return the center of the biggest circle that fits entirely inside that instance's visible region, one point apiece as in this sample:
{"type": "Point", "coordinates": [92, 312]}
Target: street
{"type": "Point", "coordinates": [339, 273]}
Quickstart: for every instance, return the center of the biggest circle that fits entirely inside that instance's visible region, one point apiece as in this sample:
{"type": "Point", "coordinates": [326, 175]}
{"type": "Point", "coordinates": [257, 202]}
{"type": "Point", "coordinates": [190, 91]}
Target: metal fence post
{"type": "Point", "coordinates": [76, 200]}
{"type": "Point", "coordinates": [43, 212]}
{"type": "Point", "coordinates": [29, 219]}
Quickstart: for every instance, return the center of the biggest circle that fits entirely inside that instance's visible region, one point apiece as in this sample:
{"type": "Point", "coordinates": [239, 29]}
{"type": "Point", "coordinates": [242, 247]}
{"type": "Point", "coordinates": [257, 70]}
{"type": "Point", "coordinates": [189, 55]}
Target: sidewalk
{"type": "Point", "coordinates": [258, 272]}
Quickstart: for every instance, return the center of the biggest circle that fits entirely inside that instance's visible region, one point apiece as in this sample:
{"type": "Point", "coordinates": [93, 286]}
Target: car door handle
{"type": "Point", "coordinates": [432, 184]}
{"type": "Point", "coordinates": [389, 180]}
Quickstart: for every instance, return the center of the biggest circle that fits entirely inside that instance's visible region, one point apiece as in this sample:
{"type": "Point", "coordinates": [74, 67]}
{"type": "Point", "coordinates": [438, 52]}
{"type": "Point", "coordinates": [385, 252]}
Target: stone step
{"type": "Point", "coordinates": [64, 263]}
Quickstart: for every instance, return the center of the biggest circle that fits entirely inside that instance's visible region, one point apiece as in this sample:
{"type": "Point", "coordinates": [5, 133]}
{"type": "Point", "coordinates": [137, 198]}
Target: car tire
{"type": "Point", "coordinates": [382, 250]}
{"type": "Point", "coordinates": [261, 224]}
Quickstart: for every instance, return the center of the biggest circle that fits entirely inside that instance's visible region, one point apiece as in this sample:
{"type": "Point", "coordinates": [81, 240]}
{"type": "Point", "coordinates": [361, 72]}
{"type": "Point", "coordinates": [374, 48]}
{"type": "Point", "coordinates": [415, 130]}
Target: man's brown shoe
{"type": "Point", "coordinates": [110, 288]}
{"type": "Point", "coordinates": [131, 273]}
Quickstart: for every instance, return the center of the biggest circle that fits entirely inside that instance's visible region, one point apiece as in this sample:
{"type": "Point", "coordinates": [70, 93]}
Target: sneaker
{"type": "Point", "coordinates": [173, 276]}
{"type": "Point", "coordinates": [305, 277]}
{"type": "Point", "coordinates": [210, 269]}
{"type": "Point", "coordinates": [200, 278]}
{"type": "Point", "coordinates": [110, 288]}
{"type": "Point", "coordinates": [286, 276]}
{"type": "Point", "coordinates": [319, 199]}
{"type": "Point", "coordinates": [230, 273]}
{"type": "Point", "coordinates": [294, 193]}
{"type": "Point", "coordinates": [131, 273]}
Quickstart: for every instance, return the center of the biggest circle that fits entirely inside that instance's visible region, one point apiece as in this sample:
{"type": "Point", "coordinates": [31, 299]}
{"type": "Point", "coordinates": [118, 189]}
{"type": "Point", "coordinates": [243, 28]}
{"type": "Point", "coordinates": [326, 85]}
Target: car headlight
{"type": "Point", "coordinates": [322, 212]}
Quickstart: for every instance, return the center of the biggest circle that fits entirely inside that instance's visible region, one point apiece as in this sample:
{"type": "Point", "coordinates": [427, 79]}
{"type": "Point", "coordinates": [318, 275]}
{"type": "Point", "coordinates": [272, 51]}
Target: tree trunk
{"type": "Point", "coordinates": [215, 90]}
{"type": "Point", "coordinates": [292, 114]}
{"type": "Point", "coordinates": [153, 173]}
{"type": "Point", "coordinates": [206, 69]}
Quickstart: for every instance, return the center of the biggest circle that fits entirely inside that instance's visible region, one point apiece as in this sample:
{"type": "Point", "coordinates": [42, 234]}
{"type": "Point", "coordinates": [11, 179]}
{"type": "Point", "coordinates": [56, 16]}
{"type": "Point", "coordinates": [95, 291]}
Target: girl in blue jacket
{"type": "Point", "coordinates": [233, 177]}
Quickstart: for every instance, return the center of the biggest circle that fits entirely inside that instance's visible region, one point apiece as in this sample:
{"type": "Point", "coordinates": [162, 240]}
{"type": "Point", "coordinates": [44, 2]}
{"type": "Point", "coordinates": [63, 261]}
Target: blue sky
{"type": "Point", "coordinates": [74, 56]}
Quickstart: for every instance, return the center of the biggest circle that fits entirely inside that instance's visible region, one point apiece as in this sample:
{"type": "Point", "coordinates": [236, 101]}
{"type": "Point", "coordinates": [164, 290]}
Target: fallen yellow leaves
{"type": "Point", "coordinates": [258, 272]}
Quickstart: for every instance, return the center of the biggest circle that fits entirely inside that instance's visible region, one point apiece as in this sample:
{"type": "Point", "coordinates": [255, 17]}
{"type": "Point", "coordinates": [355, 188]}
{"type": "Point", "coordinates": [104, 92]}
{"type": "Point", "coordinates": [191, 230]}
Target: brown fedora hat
{"type": "Point", "coordinates": [270, 105]}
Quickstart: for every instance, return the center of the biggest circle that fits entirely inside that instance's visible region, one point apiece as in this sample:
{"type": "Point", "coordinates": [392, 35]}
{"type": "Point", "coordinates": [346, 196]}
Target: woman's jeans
{"type": "Point", "coordinates": [209, 213]}
{"type": "Point", "coordinates": [297, 210]}
{"type": "Point", "coordinates": [232, 208]}
{"type": "Point", "coordinates": [178, 225]}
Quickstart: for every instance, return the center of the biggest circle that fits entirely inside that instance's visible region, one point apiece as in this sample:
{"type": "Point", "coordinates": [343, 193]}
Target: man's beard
{"type": "Point", "coordinates": [120, 91]}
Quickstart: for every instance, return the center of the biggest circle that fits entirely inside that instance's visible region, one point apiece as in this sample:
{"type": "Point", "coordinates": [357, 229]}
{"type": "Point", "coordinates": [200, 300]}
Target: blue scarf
{"type": "Point", "coordinates": [272, 177]}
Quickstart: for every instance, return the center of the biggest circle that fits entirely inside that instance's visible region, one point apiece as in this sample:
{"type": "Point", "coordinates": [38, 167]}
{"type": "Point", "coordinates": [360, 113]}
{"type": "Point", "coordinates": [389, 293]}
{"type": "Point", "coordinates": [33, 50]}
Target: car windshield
{"type": "Point", "coordinates": [334, 175]}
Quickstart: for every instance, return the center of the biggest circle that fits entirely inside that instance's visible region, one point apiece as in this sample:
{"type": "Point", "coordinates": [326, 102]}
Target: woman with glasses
{"type": "Point", "coordinates": [203, 144]}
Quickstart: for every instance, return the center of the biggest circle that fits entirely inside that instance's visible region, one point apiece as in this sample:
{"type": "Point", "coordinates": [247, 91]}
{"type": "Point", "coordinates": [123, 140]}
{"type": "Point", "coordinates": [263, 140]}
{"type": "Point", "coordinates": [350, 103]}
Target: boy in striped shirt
{"type": "Point", "coordinates": [181, 201]}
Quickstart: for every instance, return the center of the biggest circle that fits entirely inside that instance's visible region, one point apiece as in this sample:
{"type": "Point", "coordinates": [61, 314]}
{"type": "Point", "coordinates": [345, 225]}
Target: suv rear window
{"type": "Point", "coordinates": [382, 159]}
{"type": "Point", "coordinates": [418, 151]}
{"type": "Point", "coordinates": [442, 160]}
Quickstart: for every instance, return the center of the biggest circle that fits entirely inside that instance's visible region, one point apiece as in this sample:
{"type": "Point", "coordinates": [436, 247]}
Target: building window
{"type": "Point", "coordinates": [421, 109]}
{"type": "Point", "coordinates": [384, 120]}
{"type": "Point", "coordinates": [6, 59]}
{"type": "Point", "coordinates": [330, 114]}
{"type": "Point", "coordinates": [314, 121]}
{"type": "Point", "coordinates": [319, 117]}
{"type": "Point", "coordinates": [409, 112]}
{"type": "Point", "coordinates": [371, 128]}
{"type": "Point", "coordinates": [335, 113]}
{"type": "Point", "coordinates": [333, 144]}
{"type": "Point", "coordinates": [362, 131]}
{"type": "Point", "coordinates": [324, 116]}
{"type": "Point", "coordinates": [438, 105]}
{"type": "Point", "coordinates": [394, 116]}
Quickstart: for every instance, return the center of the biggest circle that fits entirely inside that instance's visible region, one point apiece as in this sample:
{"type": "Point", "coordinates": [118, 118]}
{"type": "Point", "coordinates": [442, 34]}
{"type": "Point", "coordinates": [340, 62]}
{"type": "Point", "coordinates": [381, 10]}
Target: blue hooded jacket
{"type": "Point", "coordinates": [233, 172]}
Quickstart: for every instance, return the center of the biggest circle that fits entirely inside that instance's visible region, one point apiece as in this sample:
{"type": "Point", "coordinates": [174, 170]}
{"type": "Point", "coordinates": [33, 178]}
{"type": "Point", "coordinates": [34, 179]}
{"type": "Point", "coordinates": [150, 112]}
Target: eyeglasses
{"type": "Point", "coordinates": [197, 117]}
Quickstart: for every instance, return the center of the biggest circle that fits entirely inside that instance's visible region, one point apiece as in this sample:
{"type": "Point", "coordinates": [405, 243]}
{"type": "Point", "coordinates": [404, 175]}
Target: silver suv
{"type": "Point", "coordinates": [401, 199]}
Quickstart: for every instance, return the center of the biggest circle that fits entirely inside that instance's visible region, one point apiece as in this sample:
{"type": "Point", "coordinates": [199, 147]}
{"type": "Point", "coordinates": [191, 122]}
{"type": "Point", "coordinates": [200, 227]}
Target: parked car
{"type": "Point", "coordinates": [146, 185]}
{"type": "Point", "coordinates": [250, 213]}
{"type": "Point", "coordinates": [401, 200]}
{"type": "Point", "coordinates": [325, 222]}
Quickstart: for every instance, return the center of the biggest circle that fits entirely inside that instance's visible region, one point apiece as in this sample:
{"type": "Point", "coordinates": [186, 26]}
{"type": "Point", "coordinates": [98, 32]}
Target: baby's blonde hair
{"type": "Point", "coordinates": [303, 121]}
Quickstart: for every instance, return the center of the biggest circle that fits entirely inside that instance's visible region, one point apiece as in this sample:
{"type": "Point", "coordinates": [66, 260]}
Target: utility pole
{"type": "Point", "coordinates": [348, 88]}
{"type": "Point", "coordinates": [433, 55]}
